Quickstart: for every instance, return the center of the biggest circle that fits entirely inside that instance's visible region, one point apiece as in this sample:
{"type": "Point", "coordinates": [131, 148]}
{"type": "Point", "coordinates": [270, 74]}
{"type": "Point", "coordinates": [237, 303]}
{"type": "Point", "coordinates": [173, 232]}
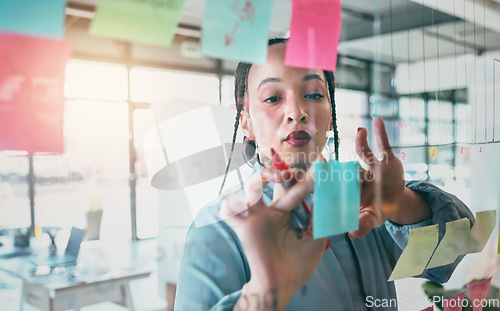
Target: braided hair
{"type": "Point", "coordinates": [240, 91]}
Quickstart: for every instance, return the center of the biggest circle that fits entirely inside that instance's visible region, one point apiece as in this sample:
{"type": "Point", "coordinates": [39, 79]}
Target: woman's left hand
{"type": "Point", "coordinates": [383, 182]}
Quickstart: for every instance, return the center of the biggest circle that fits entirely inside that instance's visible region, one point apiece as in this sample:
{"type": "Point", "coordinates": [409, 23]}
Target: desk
{"type": "Point", "coordinates": [103, 273]}
{"type": "Point", "coordinates": [55, 296]}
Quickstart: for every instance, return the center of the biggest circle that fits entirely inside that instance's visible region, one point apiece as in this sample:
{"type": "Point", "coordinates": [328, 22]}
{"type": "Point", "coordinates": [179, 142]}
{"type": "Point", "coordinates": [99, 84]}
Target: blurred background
{"type": "Point", "coordinates": [427, 68]}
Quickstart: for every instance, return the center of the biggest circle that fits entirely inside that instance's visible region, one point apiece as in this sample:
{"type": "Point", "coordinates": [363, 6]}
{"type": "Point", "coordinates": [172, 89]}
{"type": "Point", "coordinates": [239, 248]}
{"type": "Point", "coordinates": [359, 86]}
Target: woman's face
{"type": "Point", "coordinates": [287, 109]}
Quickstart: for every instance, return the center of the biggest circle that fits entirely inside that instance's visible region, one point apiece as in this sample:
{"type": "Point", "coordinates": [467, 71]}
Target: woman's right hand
{"type": "Point", "coordinates": [281, 257]}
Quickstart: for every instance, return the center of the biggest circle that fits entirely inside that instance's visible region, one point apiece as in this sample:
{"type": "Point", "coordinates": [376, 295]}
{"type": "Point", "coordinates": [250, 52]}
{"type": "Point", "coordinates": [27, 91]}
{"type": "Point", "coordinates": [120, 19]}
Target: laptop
{"type": "Point", "coordinates": [70, 255]}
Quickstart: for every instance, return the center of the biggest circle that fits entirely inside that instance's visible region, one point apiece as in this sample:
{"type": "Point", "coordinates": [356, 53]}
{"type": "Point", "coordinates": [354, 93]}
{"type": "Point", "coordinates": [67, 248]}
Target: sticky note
{"type": "Point", "coordinates": [481, 231]}
{"type": "Point", "coordinates": [336, 198]}
{"type": "Point", "coordinates": [478, 293]}
{"type": "Point", "coordinates": [418, 251]}
{"type": "Point", "coordinates": [33, 17]}
{"type": "Point", "coordinates": [314, 34]}
{"type": "Point", "coordinates": [32, 93]}
{"type": "Point", "coordinates": [433, 152]}
{"type": "Point", "coordinates": [452, 245]}
{"type": "Point", "coordinates": [454, 303]}
{"type": "Point", "coordinates": [236, 30]}
{"type": "Point", "coordinates": [149, 22]}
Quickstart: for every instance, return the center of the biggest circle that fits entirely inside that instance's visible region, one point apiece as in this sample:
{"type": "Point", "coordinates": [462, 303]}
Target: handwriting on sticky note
{"type": "Point", "coordinates": [421, 244]}
{"type": "Point", "coordinates": [238, 31]}
{"type": "Point", "coordinates": [150, 22]}
{"type": "Point", "coordinates": [336, 198]}
{"type": "Point", "coordinates": [314, 34]}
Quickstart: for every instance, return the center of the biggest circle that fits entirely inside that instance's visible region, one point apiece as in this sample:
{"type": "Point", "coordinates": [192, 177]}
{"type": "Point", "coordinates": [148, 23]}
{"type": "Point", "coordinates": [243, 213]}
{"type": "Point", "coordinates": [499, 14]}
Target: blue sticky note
{"type": "Point", "coordinates": [236, 30]}
{"type": "Point", "coordinates": [33, 17]}
{"type": "Point", "coordinates": [336, 198]}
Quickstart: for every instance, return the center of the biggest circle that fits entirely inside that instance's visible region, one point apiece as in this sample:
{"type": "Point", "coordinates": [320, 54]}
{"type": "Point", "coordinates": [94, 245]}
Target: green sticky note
{"type": "Point", "coordinates": [453, 243]}
{"type": "Point", "coordinates": [236, 30]}
{"type": "Point", "coordinates": [150, 22]}
{"type": "Point", "coordinates": [417, 252]}
{"type": "Point", "coordinates": [336, 198]}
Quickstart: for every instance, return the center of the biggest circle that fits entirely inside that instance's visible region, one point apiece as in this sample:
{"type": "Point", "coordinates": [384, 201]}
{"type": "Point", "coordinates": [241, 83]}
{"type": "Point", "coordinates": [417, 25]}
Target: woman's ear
{"type": "Point", "coordinates": [246, 124]}
{"type": "Point", "coordinates": [330, 127]}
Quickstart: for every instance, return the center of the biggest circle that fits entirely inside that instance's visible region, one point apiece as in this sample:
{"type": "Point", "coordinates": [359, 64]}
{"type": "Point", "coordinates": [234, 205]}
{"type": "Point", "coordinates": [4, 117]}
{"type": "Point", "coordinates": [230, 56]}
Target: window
{"type": "Point", "coordinates": [14, 201]}
{"type": "Point", "coordinates": [154, 85]}
{"type": "Point", "coordinates": [94, 165]}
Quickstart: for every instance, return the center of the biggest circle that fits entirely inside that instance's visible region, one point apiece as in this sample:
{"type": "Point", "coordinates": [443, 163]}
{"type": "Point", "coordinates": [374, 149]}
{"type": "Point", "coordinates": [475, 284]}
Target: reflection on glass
{"type": "Point", "coordinates": [14, 202]}
{"type": "Point", "coordinates": [94, 165]}
{"type": "Point", "coordinates": [155, 85]}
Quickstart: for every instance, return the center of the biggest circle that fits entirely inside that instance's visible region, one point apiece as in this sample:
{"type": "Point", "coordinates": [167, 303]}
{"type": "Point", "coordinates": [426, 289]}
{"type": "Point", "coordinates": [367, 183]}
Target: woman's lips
{"type": "Point", "coordinates": [298, 138]}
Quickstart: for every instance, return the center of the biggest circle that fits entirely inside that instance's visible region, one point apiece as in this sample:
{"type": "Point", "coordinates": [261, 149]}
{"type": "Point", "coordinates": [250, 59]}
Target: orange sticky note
{"type": "Point", "coordinates": [314, 34]}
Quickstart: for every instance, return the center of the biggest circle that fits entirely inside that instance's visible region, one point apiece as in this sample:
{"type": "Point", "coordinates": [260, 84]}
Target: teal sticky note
{"type": "Point", "coordinates": [33, 17]}
{"type": "Point", "coordinates": [236, 30]}
{"type": "Point", "coordinates": [336, 198]}
{"type": "Point", "coordinates": [149, 22]}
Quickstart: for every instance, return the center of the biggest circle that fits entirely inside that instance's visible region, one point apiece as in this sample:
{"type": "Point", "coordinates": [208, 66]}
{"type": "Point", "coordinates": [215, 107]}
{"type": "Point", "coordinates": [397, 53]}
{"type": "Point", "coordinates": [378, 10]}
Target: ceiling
{"type": "Point", "coordinates": [407, 30]}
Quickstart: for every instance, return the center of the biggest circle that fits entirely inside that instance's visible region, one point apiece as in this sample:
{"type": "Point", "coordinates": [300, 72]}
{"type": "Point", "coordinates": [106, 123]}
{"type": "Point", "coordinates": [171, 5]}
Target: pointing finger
{"type": "Point", "coordinates": [363, 149]}
{"type": "Point", "coordinates": [382, 138]}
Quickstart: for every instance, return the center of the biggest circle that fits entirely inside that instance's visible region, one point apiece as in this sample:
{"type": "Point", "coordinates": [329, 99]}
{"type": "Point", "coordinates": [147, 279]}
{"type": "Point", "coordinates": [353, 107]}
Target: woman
{"type": "Point", "coordinates": [257, 260]}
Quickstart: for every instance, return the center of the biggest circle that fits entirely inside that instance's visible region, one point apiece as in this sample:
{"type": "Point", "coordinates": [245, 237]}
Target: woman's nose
{"type": "Point", "coordinates": [295, 112]}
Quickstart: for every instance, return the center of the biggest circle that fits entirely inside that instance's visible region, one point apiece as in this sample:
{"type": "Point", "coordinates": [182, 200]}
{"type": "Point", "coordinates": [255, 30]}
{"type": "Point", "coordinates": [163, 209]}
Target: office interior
{"type": "Point", "coordinates": [431, 69]}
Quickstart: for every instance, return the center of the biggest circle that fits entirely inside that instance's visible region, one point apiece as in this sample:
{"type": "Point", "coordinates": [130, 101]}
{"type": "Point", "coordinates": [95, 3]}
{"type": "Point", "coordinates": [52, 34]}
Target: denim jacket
{"type": "Point", "coordinates": [214, 267]}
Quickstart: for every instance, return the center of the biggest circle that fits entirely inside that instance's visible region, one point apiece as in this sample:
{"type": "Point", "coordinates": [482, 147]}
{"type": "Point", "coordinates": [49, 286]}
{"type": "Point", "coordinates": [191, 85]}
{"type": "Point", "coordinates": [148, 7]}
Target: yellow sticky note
{"type": "Point", "coordinates": [417, 253]}
{"type": "Point", "coordinates": [452, 245]}
{"type": "Point", "coordinates": [481, 231]}
{"type": "Point", "coordinates": [433, 152]}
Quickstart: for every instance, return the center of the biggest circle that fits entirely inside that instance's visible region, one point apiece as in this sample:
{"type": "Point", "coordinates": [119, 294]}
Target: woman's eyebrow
{"type": "Point", "coordinates": [311, 77]}
{"type": "Point", "coordinates": [267, 80]}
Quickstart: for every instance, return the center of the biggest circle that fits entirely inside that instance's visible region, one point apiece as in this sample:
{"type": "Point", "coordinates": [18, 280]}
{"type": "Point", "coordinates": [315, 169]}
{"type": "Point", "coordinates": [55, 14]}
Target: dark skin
{"type": "Point", "coordinates": [280, 260]}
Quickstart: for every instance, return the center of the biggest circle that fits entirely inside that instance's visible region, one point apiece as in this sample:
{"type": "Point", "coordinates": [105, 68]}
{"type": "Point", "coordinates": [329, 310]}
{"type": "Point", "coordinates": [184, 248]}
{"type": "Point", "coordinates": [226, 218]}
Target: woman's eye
{"type": "Point", "coordinates": [314, 96]}
{"type": "Point", "coordinates": [272, 99]}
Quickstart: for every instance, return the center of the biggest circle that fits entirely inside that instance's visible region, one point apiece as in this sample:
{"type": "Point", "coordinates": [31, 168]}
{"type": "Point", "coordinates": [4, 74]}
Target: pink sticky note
{"type": "Point", "coordinates": [478, 292]}
{"type": "Point", "coordinates": [454, 303]}
{"type": "Point", "coordinates": [314, 34]}
{"type": "Point", "coordinates": [32, 93]}
{"type": "Point", "coordinates": [431, 308]}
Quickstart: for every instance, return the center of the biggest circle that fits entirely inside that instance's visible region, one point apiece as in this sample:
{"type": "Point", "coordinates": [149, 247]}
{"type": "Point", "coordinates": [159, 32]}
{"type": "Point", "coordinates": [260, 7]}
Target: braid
{"type": "Point", "coordinates": [330, 79]}
{"type": "Point", "coordinates": [240, 87]}
{"type": "Point", "coordinates": [236, 124]}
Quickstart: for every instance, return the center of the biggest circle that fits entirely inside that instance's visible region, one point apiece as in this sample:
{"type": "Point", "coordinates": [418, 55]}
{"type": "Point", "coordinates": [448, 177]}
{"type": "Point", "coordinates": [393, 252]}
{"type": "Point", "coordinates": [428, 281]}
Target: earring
{"type": "Point", "coordinates": [330, 144]}
{"type": "Point", "coordinates": [249, 150]}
